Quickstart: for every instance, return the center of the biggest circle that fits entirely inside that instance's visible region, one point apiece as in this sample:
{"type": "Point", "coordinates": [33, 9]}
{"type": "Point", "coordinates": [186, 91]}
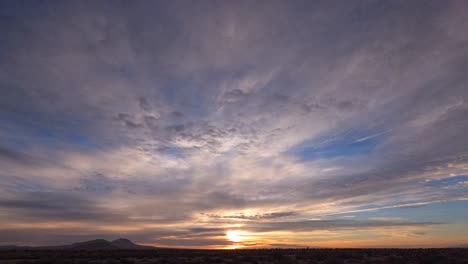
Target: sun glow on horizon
{"type": "Point", "coordinates": [237, 235]}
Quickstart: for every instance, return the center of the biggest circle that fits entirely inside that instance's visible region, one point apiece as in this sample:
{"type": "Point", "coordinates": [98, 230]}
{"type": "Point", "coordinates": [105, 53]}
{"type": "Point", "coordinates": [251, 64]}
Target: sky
{"type": "Point", "coordinates": [234, 124]}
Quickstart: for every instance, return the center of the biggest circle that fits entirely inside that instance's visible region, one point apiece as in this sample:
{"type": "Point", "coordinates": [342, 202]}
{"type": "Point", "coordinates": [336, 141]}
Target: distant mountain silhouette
{"type": "Point", "coordinates": [124, 243]}
{"type": "Point", "coordinates": [97, 244]}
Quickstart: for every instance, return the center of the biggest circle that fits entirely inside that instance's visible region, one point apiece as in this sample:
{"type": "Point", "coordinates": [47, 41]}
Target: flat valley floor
{"type": "Point", "coordinates": [254, 256]}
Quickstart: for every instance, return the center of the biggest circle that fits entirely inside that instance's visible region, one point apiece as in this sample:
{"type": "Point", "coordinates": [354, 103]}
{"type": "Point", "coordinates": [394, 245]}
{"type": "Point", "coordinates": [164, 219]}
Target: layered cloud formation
{"type": "Point", "coordinates": [280, 123]}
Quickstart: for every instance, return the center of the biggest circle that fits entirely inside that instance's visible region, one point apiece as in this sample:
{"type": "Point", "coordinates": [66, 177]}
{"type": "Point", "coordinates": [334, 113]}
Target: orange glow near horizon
{"type": "Point", "coordinates": [237, 235]}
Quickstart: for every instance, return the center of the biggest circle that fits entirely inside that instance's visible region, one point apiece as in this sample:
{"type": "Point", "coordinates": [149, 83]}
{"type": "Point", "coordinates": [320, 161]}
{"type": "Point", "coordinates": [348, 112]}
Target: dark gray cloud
{"type": "Point", "coordinates": [9, 155]}
{"type": "Point", "coordinates": [46, 206]}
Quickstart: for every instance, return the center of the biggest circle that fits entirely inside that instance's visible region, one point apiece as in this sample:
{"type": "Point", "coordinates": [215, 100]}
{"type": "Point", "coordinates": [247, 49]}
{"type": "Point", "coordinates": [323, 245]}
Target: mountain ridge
{"type": "Point", "coordinates": [95, 244]}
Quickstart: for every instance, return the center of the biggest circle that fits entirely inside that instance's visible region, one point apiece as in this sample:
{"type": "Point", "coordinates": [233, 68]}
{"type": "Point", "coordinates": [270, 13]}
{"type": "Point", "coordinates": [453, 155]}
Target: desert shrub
{"type": "Point", "coordinates": [64, 261]}
{"type": "Point", "coordinates": [46, 261]}
{"type": "Point", "coordinates": [111, 261]}
{"type": "Point", "coordinates": [333, 260]}
{"type": "Point", "coordinates": [25, 261]}
{"type": "Point", "coordinates": [81, 261]}
{"type": "Point", "coordinates": [127, 261]}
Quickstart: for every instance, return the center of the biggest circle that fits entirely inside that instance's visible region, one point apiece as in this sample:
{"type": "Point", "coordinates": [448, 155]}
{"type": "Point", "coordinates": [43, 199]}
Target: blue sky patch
{"type": "Point", "coordinates": [350, 144]}
{"type": "Point", "coordinates": [448, 181]}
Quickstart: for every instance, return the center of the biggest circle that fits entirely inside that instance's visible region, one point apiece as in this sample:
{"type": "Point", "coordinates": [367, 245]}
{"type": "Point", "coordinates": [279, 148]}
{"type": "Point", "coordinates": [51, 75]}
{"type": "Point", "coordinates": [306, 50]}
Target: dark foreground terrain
{"type": "Point", "coordinates": [258, 256]}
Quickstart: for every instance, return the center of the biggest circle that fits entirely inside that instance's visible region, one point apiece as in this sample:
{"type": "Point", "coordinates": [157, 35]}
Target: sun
{"type": "Point", "coordinates": [236, 235]}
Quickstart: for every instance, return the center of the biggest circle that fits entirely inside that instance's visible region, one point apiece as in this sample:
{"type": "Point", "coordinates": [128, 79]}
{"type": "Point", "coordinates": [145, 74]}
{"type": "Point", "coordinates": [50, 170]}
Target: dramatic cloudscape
{"type": "Point", "coordinates": [234, 124]}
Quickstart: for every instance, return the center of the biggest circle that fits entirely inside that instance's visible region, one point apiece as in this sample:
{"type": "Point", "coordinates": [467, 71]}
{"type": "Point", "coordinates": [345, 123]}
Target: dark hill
{"type": "Point", "coordinates": [97, 244]}
{"type": "Point", "coordinates": [123, 243]}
